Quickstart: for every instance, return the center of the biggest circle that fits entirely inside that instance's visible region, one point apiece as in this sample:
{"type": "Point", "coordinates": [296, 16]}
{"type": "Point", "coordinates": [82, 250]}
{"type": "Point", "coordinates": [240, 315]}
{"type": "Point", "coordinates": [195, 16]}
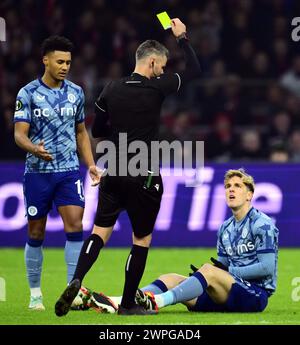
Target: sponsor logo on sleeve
{"type": "Point", "coordinates": [19, 105]}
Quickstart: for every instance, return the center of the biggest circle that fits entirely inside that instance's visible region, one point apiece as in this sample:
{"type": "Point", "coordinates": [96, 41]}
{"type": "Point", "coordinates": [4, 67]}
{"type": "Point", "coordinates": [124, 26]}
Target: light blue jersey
{"type": "Point", "coordinates": [240, 244]}
{"type": "Point", "coordinates": [52, 115]}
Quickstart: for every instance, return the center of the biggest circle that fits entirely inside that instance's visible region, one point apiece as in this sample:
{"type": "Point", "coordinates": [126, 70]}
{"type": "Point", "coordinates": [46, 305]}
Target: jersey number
{"type": "Point", "coordinates": [80, 189]}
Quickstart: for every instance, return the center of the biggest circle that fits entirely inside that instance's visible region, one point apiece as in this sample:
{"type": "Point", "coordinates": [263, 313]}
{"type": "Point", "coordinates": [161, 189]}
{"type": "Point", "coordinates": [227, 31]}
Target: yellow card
{"type": "Point", "coordinates": [164, 19]}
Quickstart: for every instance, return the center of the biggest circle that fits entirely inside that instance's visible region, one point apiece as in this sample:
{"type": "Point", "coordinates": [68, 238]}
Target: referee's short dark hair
{"type": "Point", "coordinates": [150, 47]}
{"type": "Point", "coordinates": [56, 42]}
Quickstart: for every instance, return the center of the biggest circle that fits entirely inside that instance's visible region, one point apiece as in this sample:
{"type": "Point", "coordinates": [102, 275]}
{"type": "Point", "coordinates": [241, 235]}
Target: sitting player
{"type": "Point", "coordinates": [241, 280]}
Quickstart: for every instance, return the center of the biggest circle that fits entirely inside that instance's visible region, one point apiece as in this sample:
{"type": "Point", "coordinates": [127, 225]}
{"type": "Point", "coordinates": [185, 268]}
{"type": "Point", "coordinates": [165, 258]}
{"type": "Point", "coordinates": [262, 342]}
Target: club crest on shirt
{"type": "Point", "coordinates": [244, 233]}
{"type": "Point", "coordinates": [32, 210]}
{"type": "Point", "coordinates": [71, 98]}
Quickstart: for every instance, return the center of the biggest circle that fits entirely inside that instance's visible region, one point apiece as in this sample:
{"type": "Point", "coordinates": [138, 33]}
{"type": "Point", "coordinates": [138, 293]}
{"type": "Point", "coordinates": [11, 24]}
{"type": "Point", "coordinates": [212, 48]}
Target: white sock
{"type": "Point", "coordinates": [116, 299]}
{"type": "Point", "coordinates": [159, 301]}
{"type": "Point", "coordinates": [35, 292]}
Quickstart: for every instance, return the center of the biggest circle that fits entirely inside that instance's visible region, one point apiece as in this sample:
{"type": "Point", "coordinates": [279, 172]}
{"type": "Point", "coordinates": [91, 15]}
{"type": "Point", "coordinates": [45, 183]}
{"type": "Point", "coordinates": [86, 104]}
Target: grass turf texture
{"type": "Point", "coordinates": [107, 275]}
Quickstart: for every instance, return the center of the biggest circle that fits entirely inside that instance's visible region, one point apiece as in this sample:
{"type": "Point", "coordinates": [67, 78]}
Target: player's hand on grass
{"type": "Point", "coordinates": [95, 175]}
{"type": "Point", "coordinates": [218, 264]}
{"type": "Point", "coordinates": [178, 28]}
{"type": "Point", "coordinates": [41, 152]}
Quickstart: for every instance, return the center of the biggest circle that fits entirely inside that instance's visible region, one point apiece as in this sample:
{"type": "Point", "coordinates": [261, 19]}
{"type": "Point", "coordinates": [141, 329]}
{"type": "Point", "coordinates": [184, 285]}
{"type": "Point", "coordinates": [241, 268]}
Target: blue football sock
{"type": "Point", "coordinates": [157, 287]}
{"type": "Point", "coordinates": [189, 289]}
{"type": "Point", "coordinates": [72, 250]}
{"type": "Point", "coordinates": [34, 259]}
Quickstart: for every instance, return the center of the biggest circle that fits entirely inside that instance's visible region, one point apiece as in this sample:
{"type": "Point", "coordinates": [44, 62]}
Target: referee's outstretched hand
{"type": "Point", "coordinates": [178, 28]}
{"type": "Point", "coordinates": [95, 175]}
{"type": "Point", "coordinates": [41, 152]}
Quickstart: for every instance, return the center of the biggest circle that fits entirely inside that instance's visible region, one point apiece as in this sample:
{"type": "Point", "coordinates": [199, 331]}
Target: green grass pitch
{"type": "Point", "coordinates": [107, 275]}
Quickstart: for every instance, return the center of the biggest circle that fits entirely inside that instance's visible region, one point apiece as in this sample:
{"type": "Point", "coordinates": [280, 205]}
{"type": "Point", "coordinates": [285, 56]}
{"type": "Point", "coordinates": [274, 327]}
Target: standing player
{"type": "Point", "coordinates": [243, 277]}
{"type": "Point", "coordinates": [132, 106]}
{"type": "Point", "coordinates": [49, 125]}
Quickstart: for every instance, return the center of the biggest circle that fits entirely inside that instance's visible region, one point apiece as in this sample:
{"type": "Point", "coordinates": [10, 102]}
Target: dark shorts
{"type": "Point", "coordinates": [43, 189]}
{"type": "Point", "coordinates": [134, 195]}
{"type": "Point", "coordinates": [244, 297]}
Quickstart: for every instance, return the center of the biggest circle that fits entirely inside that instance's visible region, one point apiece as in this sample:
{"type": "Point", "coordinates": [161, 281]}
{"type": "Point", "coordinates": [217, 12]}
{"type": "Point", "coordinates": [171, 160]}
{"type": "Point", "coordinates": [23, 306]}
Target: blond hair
{"type": "Point", "coordinates": [247, 179]}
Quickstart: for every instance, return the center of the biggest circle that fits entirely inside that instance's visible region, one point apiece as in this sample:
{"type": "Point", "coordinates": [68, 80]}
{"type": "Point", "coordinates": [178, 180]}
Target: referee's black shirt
{"type": "Point", "coordinates": [132, 104]}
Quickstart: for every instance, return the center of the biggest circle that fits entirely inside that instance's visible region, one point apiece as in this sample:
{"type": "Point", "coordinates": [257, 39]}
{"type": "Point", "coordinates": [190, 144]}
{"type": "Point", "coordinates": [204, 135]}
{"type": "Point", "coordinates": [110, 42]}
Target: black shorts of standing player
{"type": "Point", "coordinates": [140, 196]}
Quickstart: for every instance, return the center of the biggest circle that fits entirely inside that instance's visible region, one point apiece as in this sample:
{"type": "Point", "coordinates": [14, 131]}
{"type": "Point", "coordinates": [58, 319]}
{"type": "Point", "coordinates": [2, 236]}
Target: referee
{"type": "Point", "coordinates": [132, 106]}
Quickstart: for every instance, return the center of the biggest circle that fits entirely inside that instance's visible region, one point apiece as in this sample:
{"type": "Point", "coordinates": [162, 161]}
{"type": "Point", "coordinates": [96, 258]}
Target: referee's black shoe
{"type": "Point", "coordinates": [136, 310]}
{"type": "Point", "coordinates": [63, 305]}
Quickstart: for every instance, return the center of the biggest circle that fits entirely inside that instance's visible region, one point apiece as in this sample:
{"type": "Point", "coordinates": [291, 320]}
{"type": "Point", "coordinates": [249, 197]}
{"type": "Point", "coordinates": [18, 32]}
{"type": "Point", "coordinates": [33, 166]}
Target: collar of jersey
{"type": "Point", "coordinates": [138, 76]}
{"type": "Point", "coordinates": [238, 223]}
{"type": "Point", "coordinates": [50, 88]}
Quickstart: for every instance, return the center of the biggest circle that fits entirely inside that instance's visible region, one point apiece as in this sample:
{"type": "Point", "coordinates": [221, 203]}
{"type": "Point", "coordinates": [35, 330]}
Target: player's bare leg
{"type": "Point", "coordinates": [219, 282]}
{"type": "Point", "coordinates": [143, 242]}
{"type": "Point", "coordinates": [172, 279]}
{"type": "Point", "coordinates": [102, 232]}
{"type": "Point", "coordinates": [216, 282]}
{"type": "Point", "coordinates": [34, 261]}
{"type": "Point", "coordinates": [72, 217]}
{"type": "Point", "coordinates": [36, 228]}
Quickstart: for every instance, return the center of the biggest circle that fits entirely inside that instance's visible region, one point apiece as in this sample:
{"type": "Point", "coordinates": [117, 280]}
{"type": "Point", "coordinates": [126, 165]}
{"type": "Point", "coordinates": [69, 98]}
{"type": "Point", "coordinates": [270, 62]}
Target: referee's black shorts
{"type": "Point", "coordinates": [133, 194]}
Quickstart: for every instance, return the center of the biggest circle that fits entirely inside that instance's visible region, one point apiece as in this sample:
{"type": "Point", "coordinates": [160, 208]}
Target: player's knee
{"type": "Point", "coordinates": [208, 271]}
{"type": "Point", "coordinates": [36, 234]}
{"type": "Point", "coordinates": [142, 241]}
{"type": "Point", "coordinates": [206, 267]}
{"type": "Point", "coordinates": [171, 279]}
{"type": "Point", "coordinates": [74, 225]}
{"type": "Point", "coordinates": [166, 277]}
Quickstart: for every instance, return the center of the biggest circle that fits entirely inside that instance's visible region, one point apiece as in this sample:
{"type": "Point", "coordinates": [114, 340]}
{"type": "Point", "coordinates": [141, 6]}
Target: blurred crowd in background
{"type": "Point", "coordinates": [246, 106]}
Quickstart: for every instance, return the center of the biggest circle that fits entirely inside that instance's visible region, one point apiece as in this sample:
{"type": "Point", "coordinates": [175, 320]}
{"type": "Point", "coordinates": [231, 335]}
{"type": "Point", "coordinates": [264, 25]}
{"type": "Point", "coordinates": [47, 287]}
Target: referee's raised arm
{"type": "Point", "coordinates": [192, 67]}
{"type": "Point", "coordinates": [169, 83]}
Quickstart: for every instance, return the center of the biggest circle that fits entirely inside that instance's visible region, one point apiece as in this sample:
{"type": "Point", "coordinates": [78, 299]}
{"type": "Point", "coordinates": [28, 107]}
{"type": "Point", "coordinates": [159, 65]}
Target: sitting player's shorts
{"type": "Point", "coordinates": [244, 297]}
{"type": "Point", "coordinates": [41, 189]}
{"type": "Point", "coordinates": [133, 194]}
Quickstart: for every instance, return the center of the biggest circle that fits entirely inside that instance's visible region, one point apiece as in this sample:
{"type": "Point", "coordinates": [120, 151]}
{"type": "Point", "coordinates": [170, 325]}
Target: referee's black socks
{"type": "Point", "coordinates": [88, 255]}
{"type": "Point", "coordinates": [134, 270]}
